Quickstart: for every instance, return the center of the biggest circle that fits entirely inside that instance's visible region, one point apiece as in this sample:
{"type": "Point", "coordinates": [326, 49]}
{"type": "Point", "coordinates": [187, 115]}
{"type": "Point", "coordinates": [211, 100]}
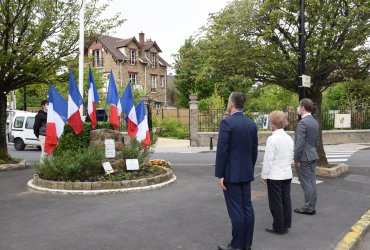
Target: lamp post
{"type": "Point", "coordinates": [302, 55]}
{"type": "Point", "coordinates": [81, 53]}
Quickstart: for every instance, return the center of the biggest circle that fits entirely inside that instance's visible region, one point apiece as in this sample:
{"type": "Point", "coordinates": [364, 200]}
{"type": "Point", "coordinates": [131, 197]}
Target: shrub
{"type": "Point", "coordinates": [135, 150]}
{"type": "Point", "coordinates": [70, 141]}
{"type": "Point", "coordinates": [71, 165]}
{"type": "Point", "coordinates": [172, 127]}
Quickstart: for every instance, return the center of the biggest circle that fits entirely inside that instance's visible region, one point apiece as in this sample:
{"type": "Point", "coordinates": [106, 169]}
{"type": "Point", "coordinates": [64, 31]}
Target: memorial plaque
{"type": "Point", "coordinates": [110, 150]}
{"type": "Point", "coordinates": [108, 167]}
{"type": "Point", "coordinates": [132, 164]}
{"type": "Point", "coordinates": [342, 121]}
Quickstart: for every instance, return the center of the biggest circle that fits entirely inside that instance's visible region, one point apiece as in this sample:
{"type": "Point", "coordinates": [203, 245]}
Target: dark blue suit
{"type": "Point", "coordinates": [236, 156]}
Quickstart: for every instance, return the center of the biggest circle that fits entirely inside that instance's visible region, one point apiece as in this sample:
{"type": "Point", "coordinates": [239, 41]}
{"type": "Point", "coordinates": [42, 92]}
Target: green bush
{"type": "Point", "coordinates": [70, 165]}
{"type": "Point", "coordinates": [135, 150]}
{"type": "Point", "coordinates": [70, 141]}
{"type": "Point", "coordinates": [172, 127]}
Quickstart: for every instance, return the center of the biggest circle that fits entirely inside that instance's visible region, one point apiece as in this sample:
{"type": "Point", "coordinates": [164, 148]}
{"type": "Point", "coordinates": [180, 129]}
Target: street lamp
{"type": "Point", "coordinates": [302, 56]}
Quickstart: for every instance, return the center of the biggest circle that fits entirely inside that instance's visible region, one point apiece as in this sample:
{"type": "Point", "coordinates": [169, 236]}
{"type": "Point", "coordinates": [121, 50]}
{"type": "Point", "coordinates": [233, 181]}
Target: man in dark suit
{"type": "Point", "coordinates": [305, 155]}
{"type": "Point", "coordinates": [235, 160]}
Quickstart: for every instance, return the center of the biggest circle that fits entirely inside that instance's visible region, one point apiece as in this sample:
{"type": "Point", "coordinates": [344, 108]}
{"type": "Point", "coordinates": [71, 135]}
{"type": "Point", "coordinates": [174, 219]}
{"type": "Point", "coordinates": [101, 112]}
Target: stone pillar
{"type": "Point", "coordinates": [193, 120]}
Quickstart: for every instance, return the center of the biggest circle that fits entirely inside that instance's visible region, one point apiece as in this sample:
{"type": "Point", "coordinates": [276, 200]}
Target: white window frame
{"type": "Point", "coordinates": [132, 56]}
{"type": "Point", "coordinates": [153, 60]}
{"type": "Point", "coordinates": [132, 76]}
{"type": "Point", "coordinates": [163, 81]}
{"type": "Point", "coordinates": [153, 88]}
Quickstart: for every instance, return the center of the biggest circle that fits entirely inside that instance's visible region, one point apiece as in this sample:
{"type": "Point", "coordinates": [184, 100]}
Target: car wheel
{"type": "Point", "coordinates": [39, 148]}
{"type": "Point", "coordinates": [19, 144]}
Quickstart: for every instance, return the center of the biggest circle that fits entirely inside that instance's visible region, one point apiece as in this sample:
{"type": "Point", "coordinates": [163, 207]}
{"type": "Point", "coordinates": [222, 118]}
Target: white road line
{"type": "Point", "coordinates": [338, 160]}
{"type": "Point", "coordinates": [296, 181]}
{"type": "Point", "coordinates": [337, 156]}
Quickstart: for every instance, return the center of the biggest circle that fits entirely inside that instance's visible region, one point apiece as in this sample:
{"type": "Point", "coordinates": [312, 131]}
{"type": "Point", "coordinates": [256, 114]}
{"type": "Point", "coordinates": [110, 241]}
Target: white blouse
{"type": "Point", "coordinates": [278, 156]}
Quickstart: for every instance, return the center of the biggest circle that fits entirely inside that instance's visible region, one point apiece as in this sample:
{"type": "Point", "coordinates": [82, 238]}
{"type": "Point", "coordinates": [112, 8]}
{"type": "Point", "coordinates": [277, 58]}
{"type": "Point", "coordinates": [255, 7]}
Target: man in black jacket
{"type": "Point", "coordinates": [39, 127]}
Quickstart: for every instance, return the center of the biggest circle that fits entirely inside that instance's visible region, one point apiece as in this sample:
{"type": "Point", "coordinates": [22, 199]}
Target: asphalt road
{"type": "Point", "coordinates": [189, 214]}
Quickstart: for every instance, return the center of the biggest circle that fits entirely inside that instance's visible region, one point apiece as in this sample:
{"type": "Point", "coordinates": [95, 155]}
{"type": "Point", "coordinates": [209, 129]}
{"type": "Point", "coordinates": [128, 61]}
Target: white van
{"type": "Point", "coordinates": [21, 133]}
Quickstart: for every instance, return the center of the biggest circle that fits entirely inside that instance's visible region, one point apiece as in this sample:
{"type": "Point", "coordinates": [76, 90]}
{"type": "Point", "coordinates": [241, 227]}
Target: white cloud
{"type": "Point", "coordinates": [169, 22]}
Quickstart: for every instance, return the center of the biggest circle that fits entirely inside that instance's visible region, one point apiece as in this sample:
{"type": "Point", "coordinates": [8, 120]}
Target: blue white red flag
{"type": "Point", "coordinates": [92, 99]}
{"type": "Point", "coordinates": [112, 99]}
{"type": "Point", "coordinates": [142, 134]}
{"type": "Point", "coordinates": [56, 119]}
{"type": "Point", "coordinates": [128, 107]}
{"type": "Point", "coordinates": [74, 103]}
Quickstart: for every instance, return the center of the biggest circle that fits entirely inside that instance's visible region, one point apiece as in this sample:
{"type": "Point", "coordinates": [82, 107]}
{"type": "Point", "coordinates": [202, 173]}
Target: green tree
{"type": "Point", "coordinates": [271, 97]}
{"type": "Point", "coordinates": [351, 94]}
{"type": "Point", "coordinates": [38, 39]}
{"type": "Point", "coordinates": [262, 39]}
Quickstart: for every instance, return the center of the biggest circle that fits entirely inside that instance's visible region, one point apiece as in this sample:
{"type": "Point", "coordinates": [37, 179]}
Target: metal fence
{"type": "Point", "coordinates": [359, 119]}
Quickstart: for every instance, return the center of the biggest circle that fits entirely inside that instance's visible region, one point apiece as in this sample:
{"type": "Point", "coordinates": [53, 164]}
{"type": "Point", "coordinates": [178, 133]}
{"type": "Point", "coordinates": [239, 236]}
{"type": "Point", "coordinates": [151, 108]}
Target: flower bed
{"type": "Point", "coordinates": [104, 184]}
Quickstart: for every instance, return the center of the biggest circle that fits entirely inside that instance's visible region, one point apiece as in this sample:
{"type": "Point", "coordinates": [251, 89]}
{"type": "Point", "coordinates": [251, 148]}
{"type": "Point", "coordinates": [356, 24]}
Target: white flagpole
{"type": "Point", "coordinates": [81, 54]}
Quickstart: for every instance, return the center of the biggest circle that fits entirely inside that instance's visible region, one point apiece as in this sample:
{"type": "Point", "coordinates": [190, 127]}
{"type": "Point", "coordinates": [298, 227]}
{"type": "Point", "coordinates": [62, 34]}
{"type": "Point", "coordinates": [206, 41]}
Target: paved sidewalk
{"type": "Point", "coordinates": [169, 145]}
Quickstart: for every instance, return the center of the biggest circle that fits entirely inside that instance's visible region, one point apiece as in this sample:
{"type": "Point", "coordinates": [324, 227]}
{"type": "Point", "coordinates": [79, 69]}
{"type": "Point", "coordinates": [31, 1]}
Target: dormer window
{"type": "Point", "coordinates": [132, 57]}
{"type": "Point", "coordinates": [153, 60]}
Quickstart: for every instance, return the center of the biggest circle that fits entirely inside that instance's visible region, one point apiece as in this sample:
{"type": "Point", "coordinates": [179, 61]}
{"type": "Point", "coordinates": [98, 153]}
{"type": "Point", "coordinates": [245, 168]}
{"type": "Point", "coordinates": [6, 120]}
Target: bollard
{"type": "Point", "coordinates": [211, 143]}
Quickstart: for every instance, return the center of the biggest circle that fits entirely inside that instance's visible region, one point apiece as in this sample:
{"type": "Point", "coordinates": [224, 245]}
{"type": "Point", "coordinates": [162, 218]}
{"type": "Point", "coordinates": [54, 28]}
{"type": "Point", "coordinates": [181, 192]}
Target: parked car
{"type": "Point", "coordinates": [21, 131]}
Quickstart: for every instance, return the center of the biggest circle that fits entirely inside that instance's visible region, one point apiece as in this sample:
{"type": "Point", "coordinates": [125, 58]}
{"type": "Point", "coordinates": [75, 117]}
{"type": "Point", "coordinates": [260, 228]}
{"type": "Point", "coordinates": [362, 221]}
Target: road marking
{"type": "Point", "coordinates": [339, 156]}
{"type": "Point", "coordinates": [296, 181]}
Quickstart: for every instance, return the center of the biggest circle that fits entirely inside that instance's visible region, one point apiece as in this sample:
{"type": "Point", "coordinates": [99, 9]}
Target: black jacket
{"type": "Point", "coordinates": [39, 127]}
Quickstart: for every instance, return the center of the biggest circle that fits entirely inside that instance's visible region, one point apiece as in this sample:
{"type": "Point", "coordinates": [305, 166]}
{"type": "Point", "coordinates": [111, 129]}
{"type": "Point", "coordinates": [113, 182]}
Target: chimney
{"type": "Point", "coordinates": [141, 38]}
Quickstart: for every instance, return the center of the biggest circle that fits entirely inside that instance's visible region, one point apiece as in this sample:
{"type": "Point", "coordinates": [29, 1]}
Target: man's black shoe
{"type": "Point", "coordinates": [273, 231]}
{"type": "Point", "coordinates": [228, 247]}
{"type": "Point", "coordinates": [303, 211]}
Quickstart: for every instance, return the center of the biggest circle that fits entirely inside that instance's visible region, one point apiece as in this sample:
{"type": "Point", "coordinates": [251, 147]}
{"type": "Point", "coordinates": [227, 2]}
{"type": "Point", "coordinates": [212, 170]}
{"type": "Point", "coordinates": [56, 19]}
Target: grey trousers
{"type": "Point", "coordinates": [307, 176]}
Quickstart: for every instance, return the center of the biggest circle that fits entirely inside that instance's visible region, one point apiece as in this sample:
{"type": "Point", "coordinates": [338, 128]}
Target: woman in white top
{"type": "Point", "coordinates": [277, 173]}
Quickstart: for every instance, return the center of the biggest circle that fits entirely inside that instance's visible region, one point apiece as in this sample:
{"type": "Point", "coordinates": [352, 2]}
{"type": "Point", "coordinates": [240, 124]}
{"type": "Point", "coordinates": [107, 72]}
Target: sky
{"type": "Point", "coordinates": [168, 22]}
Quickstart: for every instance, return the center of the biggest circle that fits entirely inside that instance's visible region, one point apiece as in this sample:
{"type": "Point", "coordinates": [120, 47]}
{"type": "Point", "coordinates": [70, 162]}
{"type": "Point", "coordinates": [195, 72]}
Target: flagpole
{"type": "Point", "coordinates": [81, 54]}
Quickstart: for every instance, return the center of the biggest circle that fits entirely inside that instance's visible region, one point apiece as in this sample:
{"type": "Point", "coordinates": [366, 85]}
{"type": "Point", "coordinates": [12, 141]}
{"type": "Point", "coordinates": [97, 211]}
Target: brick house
{"type": "Point", "coordinates": [133, 60]}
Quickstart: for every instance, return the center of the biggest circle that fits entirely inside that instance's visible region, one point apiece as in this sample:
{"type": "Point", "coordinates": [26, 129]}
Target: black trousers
{"type": "Point", "coordinates": [280, 203]}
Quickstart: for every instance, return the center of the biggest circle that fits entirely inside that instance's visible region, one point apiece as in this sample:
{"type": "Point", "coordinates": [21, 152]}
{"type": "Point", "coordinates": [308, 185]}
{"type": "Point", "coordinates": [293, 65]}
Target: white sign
{"type": "Point", "coordinates": [110, 151]}
{"type": "Point", "coordinates": [132, 164]}
{"type": "Point", "coordinates": [342, 121]}
{"type": "Point", "coordinates": [306, 81]}
{"type": "Point", "coordinates": [107, 167]}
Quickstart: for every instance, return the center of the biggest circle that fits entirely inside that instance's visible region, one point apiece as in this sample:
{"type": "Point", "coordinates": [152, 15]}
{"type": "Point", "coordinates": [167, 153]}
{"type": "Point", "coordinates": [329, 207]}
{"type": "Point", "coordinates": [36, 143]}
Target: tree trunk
{"type": "Point", "coordinates": [316, 97]}
{"type": "Point", "coordinates": [4, 155]}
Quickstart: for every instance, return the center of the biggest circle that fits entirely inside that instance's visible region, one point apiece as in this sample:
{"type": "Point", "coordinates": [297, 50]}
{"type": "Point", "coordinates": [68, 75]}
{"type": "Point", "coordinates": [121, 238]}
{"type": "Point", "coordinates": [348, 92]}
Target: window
{"type": "Point", "coordinates": [98, 58]}
{"type": "Point", "coordinates": [157, 105]}
{"type": "Point", "coordinates": [163, 81]}
{"type": "Point", "coordinates": [29, 123]}
{"type": "Point", "coordinates": [154, 60]}
{"type": "Point", "coordinates": [133, 78]}
{"type": "Point", "coordinates": [18, 122]}
{"type": "Point", "coordinates": [154, 84]}
{"type": "Point", "coordinates": [132, 57]}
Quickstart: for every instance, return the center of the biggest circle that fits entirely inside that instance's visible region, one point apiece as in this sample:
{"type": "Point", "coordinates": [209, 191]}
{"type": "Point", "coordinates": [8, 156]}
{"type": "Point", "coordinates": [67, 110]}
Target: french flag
{"type": "Point", "coordinates": [142, 134]}
{"type": "Point", "coordinates": [92, 99]}
{"type": "Point", "coordinates": [112, 98]}
{"type": "Point", "coordinates": [74, 102]}
{"type": "Point", "coordinates": [56, 119]}
{"type": "Point", "coordinates": [128, 107]}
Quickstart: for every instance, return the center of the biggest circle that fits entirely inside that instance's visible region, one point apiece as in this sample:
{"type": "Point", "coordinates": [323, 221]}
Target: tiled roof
{"type": "Point", "coordinates": [149, 44]}
{"type": "Point", "coordinates": [112, 44]}
{"type": "Point", "coordinates": [163, 62]}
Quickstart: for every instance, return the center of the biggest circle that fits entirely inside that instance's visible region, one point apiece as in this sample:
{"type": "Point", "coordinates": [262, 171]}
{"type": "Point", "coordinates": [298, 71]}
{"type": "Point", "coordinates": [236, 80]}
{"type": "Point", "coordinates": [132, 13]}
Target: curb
{"type": "Point", "coordinates": [357, 231]}
{"type": "Point", "coordinates": [96, 192]}
{"type": "Point", "coordinates": [13, 166]}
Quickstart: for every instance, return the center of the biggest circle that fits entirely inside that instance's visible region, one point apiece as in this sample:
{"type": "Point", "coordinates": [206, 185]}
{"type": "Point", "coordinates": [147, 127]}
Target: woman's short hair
{"type": "Point", "coordinates": [278, 119]}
